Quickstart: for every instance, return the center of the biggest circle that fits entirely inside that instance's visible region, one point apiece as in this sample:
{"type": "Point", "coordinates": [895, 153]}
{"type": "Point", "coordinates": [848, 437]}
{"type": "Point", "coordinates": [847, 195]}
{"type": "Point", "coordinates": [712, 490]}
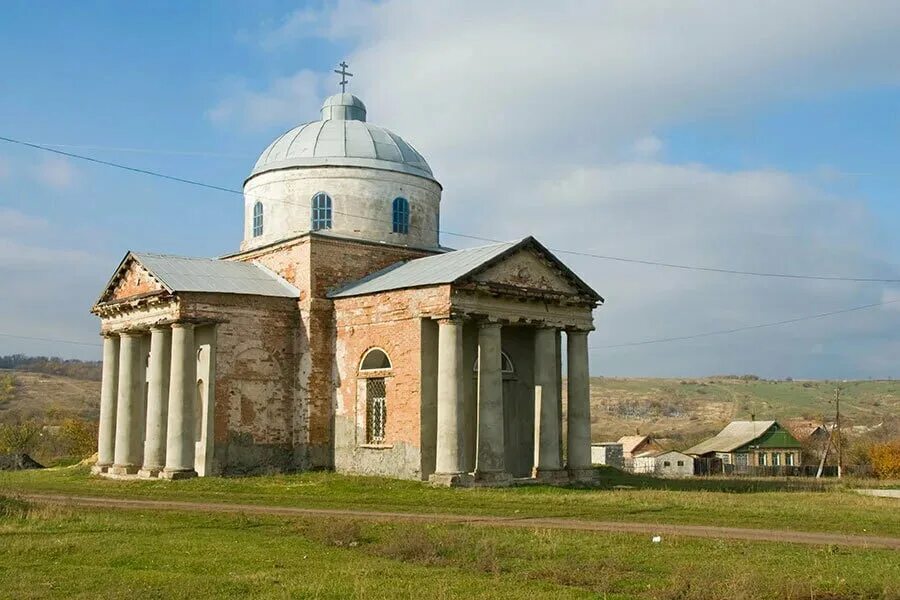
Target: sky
{"type": "Point", "coordinates": [756, 136]}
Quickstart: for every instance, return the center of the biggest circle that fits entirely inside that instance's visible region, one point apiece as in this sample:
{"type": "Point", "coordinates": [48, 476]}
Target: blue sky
{"type": "Point", "coordinates": [761, 136]}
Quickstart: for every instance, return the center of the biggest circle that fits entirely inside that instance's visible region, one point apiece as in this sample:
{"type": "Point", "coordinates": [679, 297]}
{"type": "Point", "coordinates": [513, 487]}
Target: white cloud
{"type": "Point", "coordinates": [523, 115]}
{"type": "Point", "coordinates": [288, 100]}
{"type": "Point", "coordinates": [57, 173]}
{"type": "Point", "coordinates": [647, 147]}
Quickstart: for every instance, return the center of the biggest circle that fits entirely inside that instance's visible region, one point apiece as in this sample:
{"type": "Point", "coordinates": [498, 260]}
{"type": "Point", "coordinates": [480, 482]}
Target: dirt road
{"type": "Point", "coordinates": [702, 531]}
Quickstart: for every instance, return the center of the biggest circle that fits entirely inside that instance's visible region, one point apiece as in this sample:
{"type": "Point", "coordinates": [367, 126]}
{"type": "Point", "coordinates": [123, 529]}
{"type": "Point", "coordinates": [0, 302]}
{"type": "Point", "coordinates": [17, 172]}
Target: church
{"type": "Point", "coordinates": [344, 336]}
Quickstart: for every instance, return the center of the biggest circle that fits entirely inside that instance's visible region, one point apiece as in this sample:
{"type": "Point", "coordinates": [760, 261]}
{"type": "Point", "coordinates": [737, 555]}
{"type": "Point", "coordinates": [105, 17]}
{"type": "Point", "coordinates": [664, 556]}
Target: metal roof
{"type": "Point", "coordinates": [430, 270]}
{"type": "Point", "coordinates": [735, 435]}
{"type": "Point", "coordinates": [342, 138]}
{"type": "Point", "coordinates": [182, 274]}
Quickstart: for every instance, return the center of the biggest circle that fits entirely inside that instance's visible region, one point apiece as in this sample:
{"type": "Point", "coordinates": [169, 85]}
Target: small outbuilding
{"type": "Point", "coordinates": [674, 464]}
{"type": "Point", "coordinates": [607, 453]}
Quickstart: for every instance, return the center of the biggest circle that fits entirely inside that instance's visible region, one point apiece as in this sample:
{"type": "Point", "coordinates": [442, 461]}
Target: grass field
{"type": "Point", "coordinates": [52, 552]}
{"type": "Point", "coordinates": [801, 505]}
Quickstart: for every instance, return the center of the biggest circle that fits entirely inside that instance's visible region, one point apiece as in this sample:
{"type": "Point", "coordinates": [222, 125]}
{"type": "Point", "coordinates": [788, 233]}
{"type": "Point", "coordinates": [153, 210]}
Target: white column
{"type": "Point", "coordinates": [157, 401]}
{"type": "Point", "coordinates": [129, 434]}
{"type": "Point", "coordinates": [546, 408]}
{"type": "Point", "coordinates": [578, 432]}
{"type": "Point", "coordinates": [182, 393]}
{"type": "Point", "coordinates": [109, 390]}
{"type": "Point", "coordinates": [490, 456]}
{"type": "Point", "coordinates": [449, 402]}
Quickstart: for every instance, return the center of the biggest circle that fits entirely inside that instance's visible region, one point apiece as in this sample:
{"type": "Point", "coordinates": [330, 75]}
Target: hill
{"type": "Point", "coordinates": [692, 408]}
{"type": "Point", "coordinates": [685, 409]}
{"type": "Point", "coordinates": [41, 396]}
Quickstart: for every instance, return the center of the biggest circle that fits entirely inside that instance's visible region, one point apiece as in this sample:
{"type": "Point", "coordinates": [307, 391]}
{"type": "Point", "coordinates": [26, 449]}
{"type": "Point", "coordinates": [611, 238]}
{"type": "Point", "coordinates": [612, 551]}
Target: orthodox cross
{"type": "Point", "coordinates": [343, 73]}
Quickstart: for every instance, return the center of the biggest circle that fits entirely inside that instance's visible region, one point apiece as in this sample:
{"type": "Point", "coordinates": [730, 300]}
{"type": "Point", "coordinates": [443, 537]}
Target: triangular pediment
{"type": "Point", "coordinates": [529, 266]}
{"type": "Point", "coordinates": [131, 280]}
{"type": "Point", "coordinates": [526, 269]}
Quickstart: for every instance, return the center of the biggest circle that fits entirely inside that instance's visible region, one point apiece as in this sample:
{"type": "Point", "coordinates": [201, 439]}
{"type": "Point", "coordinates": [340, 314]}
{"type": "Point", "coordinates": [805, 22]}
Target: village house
{"type": "Point", "coordinates": [636, 446]}
{"type": "Point", "coordinates": [343, 335]}
{"type": "Point", "coordinates": [751, 444]}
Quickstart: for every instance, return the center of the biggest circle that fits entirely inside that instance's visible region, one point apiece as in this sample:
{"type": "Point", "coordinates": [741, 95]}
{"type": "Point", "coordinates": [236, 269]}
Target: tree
{"type": "Point", "coordinates": [885, 459]}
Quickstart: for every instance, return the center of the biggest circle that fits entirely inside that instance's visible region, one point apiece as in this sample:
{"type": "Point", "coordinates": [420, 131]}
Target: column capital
{"type": "Point", "coordinates": [451, 320]}
{"type": "Point", "coordinates": [161, 327]}
{"type": "Point", "coordinates": [576, 331]}
{"type": "Point", "coordinates": [490, 324]}
{"type": "Point", "coordinates": [183, 325]}
{"type": "Point", "coordinates": [131, 333]}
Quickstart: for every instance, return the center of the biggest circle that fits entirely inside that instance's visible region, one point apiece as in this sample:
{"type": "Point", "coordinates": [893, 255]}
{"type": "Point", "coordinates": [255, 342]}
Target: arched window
{"type": "Point", "coordinates": [321, 211]}
{"type": "Point", "coordinates": [375, 360]}
{"type": "Point", "coordinates": [506, 365]}
{"type": "Point", "coordinates": [257, 219]}
{"type": "Point", "coordinates": [401, 215]}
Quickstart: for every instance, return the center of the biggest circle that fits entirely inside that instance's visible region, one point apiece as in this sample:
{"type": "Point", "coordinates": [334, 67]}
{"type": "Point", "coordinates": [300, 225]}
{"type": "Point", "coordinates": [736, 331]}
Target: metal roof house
{"type": "Point", "coordinates": [751, 444]}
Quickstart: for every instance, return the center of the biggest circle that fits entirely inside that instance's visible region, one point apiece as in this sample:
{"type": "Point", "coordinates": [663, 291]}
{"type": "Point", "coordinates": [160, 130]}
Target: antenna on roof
{"type": "Point", "coordinates": [343, 73]}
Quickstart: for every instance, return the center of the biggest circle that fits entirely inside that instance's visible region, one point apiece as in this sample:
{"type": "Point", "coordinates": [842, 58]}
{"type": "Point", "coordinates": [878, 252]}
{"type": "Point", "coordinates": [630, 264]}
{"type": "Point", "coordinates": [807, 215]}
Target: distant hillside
{"type": "Point", "coordinates": [686, 409]}
{"type": "Point", "coordinates": [76, 369]}
{"type": "Point", "coordinates": [44, 397]}
{"type": "Point", "coordinates": [690, 408]}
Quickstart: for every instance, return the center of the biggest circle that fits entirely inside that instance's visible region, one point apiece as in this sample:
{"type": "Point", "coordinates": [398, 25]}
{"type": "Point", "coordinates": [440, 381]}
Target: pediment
{"type": "Point", "coordinates": [527, 269]}
{"type": "Point", "coordinates": [131, 280]}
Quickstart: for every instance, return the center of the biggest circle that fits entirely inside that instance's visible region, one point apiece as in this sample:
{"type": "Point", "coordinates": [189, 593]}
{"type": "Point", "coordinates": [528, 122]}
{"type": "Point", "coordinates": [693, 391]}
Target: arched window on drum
{"type": "Point", "coordinates": [401, 215]}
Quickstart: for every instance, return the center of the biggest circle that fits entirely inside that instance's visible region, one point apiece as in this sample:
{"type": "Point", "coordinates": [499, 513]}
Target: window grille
{"type": "Point", "coordinates": [257, 219]}
{"type": "Point", "coordinates": [790, 459]}
{"type": "Point", "coordinates": [680, 463]}
{"type": "Point", "coordinates": [321, 211]}
{"type": "Point", "coordinates": [376, 410]}
{"type": "Point", "coordinates": [401, 215]}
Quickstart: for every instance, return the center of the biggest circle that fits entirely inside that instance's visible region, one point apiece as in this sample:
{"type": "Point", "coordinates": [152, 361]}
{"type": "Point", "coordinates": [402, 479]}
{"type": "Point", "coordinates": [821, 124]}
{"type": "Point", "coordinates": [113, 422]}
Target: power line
{"type": "Point", "coordinates": [55, 341]}
{"type": "Point", "coordinates": [669, 265]}
{"type": "Point", "coordinates": [747, 328]}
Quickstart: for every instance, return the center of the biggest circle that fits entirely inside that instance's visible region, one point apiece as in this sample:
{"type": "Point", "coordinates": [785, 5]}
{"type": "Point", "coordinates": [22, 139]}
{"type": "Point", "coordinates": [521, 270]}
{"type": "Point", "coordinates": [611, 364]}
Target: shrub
{"type": "Point", "coordinates": [885, 459]}
{"type": "Point", "coordinates": [77, 438]}
{"type": "Point", "coordinates": [18, 438]}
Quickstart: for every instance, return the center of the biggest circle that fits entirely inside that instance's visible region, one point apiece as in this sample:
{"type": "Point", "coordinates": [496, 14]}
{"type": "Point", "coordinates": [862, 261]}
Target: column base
{"type": "Point", "coordinates": [123, 470]}
{"type": "Point", "coordinates": [100, 469]}
{"type": "Point", "coordinates": [492, 479]}
{"type": "Point", "coordinates": [550, 475]}
{"type": "Point", "coordinates": [584, 475]}
{"type": "Point", "coordinates": [175, 475]}
{"type": "Point", "coordinates": [149, 472]}
{"type": "Point", "coordinates": [450, 479]}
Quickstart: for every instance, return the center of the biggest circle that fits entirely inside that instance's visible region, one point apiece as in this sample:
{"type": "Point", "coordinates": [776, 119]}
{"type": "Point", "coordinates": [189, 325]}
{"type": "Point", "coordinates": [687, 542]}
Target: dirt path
{"type": "Point", "coordinates": [702, 531]}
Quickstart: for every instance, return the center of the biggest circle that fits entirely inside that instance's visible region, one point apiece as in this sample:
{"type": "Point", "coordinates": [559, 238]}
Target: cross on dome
{"type": "Point", "coordinates": [343, 73]}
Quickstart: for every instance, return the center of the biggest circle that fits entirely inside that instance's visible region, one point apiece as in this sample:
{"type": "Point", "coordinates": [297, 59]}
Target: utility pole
{"type": "Point", "coordinates": [837, 426]}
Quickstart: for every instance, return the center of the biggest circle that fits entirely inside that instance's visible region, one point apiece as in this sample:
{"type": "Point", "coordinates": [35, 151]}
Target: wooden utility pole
{"type": "Point", "coordinates": [837, 426]}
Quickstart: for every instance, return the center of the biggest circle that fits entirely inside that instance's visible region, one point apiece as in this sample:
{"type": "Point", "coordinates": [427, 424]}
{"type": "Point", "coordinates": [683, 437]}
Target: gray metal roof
{"type": "Point", "coordinates": [182, 274]}
{"type": "Point", "coordinates": [342, 138]}
{"type": "Point", "coordinates": [735, 435]}
{"type": "Point", "coordinates": [430, 270]}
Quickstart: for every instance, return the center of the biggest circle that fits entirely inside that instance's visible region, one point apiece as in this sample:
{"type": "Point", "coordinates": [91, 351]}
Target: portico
{"type": "Point", "coordinates": [492, 373]}
{"type": "Point", "coordinates": [149, 402]}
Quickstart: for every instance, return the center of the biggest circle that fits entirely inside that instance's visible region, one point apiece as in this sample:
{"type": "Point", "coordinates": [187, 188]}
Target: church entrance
{"type": "Point", "coordinates": [518, 429]}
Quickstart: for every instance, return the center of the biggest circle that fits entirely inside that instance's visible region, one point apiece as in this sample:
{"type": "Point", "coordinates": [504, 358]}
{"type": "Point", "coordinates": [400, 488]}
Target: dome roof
{"type": "Point", "coordinates": [342, 138]}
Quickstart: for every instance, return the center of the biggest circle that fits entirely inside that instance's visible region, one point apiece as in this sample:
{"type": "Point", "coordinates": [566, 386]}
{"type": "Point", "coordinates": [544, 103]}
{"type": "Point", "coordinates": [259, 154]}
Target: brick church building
{"type": "Point", "coordinates": [343, 335]}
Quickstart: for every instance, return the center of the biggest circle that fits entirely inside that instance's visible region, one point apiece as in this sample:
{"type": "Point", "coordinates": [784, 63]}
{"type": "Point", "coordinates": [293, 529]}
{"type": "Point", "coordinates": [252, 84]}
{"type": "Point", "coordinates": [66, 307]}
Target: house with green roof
{"type": "Point", "coordinates": [751, 444]}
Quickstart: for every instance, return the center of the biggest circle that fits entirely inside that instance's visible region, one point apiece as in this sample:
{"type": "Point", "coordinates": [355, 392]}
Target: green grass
{"type": "Point", "coordinates": [771, 504]}
{"type": "Point", "coordinates": [49, 552]}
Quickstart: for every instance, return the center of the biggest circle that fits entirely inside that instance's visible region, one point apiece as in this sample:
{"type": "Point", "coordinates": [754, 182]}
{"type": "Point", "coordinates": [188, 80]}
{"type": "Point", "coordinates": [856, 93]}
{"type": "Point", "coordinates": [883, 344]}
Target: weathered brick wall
{"type": "Point", "coordinates": [134, 281]}
{"type": "Point", "coordinates": [255, 376]}
{"type": "Point", "coordinates": [390, 321]}
{"type": "Point", "coordinates": [316, 264]}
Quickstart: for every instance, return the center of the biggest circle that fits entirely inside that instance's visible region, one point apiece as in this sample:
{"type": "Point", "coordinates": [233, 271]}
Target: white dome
{"type": "Point", "coordinates": [342, 138]}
